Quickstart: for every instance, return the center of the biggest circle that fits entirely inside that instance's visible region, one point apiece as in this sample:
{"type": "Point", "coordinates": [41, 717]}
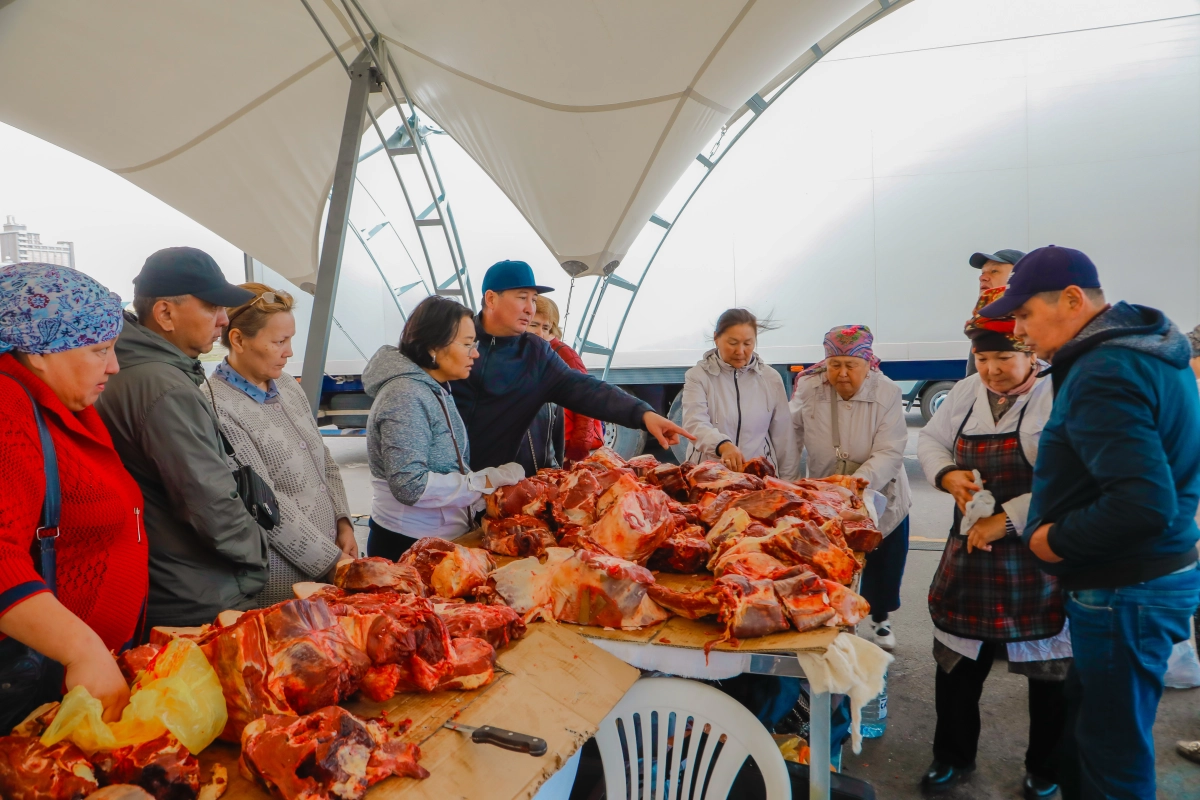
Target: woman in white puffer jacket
{"type": "Point", "coordinates": [735, 405]}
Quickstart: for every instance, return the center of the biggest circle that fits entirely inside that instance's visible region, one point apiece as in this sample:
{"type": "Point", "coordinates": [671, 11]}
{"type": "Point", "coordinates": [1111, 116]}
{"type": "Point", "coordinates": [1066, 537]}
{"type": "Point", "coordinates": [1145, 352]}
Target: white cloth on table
{"type": "Point", "coordinates": [850, 666]}
{"type": "Point", "coordinates": [1052, 647]}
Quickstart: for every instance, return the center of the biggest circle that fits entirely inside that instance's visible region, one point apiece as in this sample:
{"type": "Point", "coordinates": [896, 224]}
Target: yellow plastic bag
{"type": "Point", "coordinates": [180, 693]}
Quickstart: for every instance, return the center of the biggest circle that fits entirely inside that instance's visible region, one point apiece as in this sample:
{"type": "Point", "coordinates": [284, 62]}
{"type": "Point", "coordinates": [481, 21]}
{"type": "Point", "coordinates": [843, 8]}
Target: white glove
{"type": "Point", "coordinates": [503, 475]}
{"type": "Point", "coordinates": [981, 506]}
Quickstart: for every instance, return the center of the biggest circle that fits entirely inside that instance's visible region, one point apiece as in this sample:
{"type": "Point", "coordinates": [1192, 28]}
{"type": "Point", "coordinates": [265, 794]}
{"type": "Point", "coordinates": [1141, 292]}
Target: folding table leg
{"type": "Point", "coordinates": [818, 746]}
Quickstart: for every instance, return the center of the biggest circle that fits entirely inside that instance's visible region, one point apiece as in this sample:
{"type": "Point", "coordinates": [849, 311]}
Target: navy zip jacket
{"type": "Point", "coordinates": [1118, 467]}
{"type": "Point", "coordinates": [515, 376]}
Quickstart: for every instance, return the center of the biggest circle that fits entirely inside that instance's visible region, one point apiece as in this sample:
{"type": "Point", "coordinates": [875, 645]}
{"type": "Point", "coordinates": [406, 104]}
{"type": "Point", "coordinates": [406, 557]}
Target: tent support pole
{"type": "Point", "coordinates": [363, 80]}
{"type": "Point", "coordinates": [248, 265]}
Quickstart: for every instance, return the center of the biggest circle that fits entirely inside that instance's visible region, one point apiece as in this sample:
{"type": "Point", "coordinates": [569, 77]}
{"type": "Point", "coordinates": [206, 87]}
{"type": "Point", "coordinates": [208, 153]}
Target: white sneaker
{"type": "Point", "coordinates": [883, 635]}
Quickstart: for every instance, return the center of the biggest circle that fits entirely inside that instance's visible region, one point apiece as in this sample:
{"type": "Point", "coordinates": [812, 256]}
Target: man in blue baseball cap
{"type": "Point", "coordinates": [517, 373]}
{"type": "Point", "coordinates": [1115, 491]}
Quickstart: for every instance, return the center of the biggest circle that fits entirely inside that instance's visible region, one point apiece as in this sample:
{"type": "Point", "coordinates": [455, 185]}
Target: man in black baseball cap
{"type": "Point", "coordinates": [994, 268]}
{"type": "Point", "coordinates": [207, 553]}
{"type": "Point", "coordinates": [1115, 490]}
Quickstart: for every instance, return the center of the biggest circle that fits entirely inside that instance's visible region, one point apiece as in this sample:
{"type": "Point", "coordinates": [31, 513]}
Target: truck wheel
{"type": "Point", "coordinates": [626, 441]}
{"type": "Point", "coordinates": [680, 450]}
{"type": "Point", "coordinates": [932, 397]}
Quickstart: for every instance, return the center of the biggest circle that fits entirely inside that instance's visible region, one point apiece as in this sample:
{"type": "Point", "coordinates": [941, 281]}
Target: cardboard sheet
{"type": "Point", "coordinates": [554, 685]}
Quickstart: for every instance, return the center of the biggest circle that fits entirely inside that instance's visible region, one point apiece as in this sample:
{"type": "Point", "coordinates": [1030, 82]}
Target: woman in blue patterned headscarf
{"type": "Point", "coordinates": [57, 331]}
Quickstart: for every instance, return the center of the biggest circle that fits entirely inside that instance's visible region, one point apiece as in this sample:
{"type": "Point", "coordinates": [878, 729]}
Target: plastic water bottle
{"type": "Point", "coordinates": [874, 714]}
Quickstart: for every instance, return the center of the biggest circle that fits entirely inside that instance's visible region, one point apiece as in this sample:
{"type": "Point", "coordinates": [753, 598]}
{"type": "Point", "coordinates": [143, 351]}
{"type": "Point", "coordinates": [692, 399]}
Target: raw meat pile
{"type": "Point", "coordinates": [587, 538]}
{"type": "Point", "coordinates": [161, 769]}
{"type": "Point", "coordinates": [383, 628]}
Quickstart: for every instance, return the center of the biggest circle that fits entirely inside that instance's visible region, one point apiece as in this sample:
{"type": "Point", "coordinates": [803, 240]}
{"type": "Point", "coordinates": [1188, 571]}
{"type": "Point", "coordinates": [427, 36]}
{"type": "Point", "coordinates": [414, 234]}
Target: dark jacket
{"type": "Point", "coordinates": [512, 378]}
{"type": "Point", "coordinates": [1118, 468]}
{"type": "Point", "coordinates": [207, 553]}
{"type": "Point", "coordinates": [542, 445]}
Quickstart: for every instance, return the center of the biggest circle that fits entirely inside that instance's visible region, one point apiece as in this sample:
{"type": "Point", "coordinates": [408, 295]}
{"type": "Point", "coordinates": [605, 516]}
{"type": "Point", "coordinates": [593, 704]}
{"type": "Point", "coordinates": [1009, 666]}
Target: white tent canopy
{"type": "Point", "coordinates": [584, 114]}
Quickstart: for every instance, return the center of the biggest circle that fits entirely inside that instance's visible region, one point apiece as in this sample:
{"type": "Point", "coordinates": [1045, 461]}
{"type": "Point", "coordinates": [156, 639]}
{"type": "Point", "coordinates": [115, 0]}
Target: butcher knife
{"type": "Point", "coordinates": [509, 740]}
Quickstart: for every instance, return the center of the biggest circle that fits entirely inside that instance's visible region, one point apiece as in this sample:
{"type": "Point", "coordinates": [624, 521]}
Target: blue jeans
{"type": "Point", "coordinates": [1121, 639]}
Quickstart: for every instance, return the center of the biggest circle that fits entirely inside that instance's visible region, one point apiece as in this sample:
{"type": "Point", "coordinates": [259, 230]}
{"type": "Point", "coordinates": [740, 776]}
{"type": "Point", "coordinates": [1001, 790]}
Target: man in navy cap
{"type": "Point", "coordinates": [1115, 491]}
{"type": "Point", "coordinates": [517, 373]}
{"type": "Point", "coordinates": [207, 553]}
{"type": "Point", "coordinates": [994, 270]}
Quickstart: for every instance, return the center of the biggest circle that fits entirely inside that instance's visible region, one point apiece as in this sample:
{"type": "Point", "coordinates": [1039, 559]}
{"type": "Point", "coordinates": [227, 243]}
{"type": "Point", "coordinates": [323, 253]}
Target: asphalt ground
{"type": "Point", "coordinates": [894, 763]}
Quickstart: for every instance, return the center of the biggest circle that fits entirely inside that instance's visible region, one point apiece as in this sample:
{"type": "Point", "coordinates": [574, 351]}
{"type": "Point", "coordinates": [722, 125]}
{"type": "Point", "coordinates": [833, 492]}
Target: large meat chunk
{"type": "Point", "coordinates": [715, 477]}
{"type": "Point", "coordinates": [713, 506]}
{"type": "Point", "coordinates": [805, 600]}
{"type": "Point", "coordinates": [768, 505]}
{"type": "Point", "coordinates": [450, 569]}
{"type": "Point", "coordinates": [495, 624]}
{"type": "Point", "coordinates": [577, 496]}
{"type": "Point", "coordinates": [684, 551]}
{"type": "Point", "coordinates": [794, 542]}
{"type": "Point", "coordinates": [850, 606]}
{"type": "Point", "coordinates": [734, 524]}
{"type": "Point", "coordinates": [862, 536]}
{"type": "Point", "coordinates": [759, 466]}
{"type": "Point", "coordinates": [472, 665]}
{"type": "Point", "coordinates": [581, 587]}
{"type": "Point", "coordinates": [746, 608]}
{"type": "Point", "coordinates": [643, 465]}
{"type": "Point", "coordinates": [374, 573]}
{"type": "Point", "coordinates": [606, 458]}
{"type": "Point", "coordinates": [753, 565]}
{"type": "Point", "coordinates": [529, 497]}
{"type": "Point", "coordinates": [669, 478]}
{"type": "Point", "coordinates": [162, 766]}
{"type": "Point", "coordinates": [293, 657]}
{"type": "Point", "coordinates": [327, 754]}
{"type": "Point", "coordinates": [31, 771]}
{"type": "Point", "coordinates": [634, 520]}
{"type": "Point", "coordinates": [518, 536]}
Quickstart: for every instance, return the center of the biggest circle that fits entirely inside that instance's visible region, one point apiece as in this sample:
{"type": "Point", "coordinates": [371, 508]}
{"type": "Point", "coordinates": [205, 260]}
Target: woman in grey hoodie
{"type": "Point", "coordinates": [417, 445]}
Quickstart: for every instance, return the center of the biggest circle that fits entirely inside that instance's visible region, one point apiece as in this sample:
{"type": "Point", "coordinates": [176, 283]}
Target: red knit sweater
{"type": "Point", "coordinates": [102, 551]}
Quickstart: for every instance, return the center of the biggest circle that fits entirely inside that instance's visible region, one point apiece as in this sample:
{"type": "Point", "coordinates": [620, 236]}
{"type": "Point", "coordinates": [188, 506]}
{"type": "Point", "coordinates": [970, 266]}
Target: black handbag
{"type": "Point", "coordinates": [258, 497]}
{"type": "Point", "coordinates": [27, 678]}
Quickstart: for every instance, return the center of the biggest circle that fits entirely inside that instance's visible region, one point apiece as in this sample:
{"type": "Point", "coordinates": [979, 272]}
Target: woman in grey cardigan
{"type": "Point", "coordinates": [265, 416]}
{"type": "Point", "coordinates": [416, 442]}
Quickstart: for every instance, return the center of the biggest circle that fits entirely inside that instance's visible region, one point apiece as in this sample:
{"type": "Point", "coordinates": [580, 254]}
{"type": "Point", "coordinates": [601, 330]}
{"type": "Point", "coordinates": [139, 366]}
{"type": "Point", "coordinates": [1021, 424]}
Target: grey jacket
{"type": "Point", "coordinates": [207, 553]}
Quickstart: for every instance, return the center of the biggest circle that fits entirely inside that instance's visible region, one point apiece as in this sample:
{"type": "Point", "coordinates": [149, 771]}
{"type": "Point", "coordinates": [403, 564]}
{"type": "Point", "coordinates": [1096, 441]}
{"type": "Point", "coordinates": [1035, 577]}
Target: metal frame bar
{"type": "Point", "coordinates": [362, 77]}
{"type": "Point", "coordinates": [758, 105]}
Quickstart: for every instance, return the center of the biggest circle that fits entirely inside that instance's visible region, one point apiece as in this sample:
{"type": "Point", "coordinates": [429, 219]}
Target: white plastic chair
{"type": "Point", "coordinates": [646, 754]}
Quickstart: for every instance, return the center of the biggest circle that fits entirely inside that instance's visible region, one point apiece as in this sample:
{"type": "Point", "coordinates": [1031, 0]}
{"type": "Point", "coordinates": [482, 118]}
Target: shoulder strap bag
{"type": "Point", "coordinates": [27, 678]}
{"type": "Point", "coordinates": [257, 496]}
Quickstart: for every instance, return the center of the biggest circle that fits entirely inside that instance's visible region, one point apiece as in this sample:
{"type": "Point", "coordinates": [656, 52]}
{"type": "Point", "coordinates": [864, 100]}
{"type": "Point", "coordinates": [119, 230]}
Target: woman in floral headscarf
{"type": "Point", "coordinates": [988, 592]}
{"type": "Point", "coordinates": [849, 417]}
{"type": "Point", "coordinates": [57, 328]}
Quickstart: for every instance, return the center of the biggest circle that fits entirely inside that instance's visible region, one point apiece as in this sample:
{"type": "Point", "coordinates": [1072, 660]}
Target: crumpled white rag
{"type": "Point", "coordinates": [851, 666]}
{"type": "Point", "coordinates": [981, 506]}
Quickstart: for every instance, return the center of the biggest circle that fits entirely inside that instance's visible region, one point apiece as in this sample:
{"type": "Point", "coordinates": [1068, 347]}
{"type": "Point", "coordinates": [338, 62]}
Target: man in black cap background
{"type": "Point", "coordinates": [517, 373]}
{"type": "Point", "coordinates": [994, 270]}
{"type": "Point", "coordinates": [1115, 490]}
{"type": "Point", "coordinates": [207, 553]}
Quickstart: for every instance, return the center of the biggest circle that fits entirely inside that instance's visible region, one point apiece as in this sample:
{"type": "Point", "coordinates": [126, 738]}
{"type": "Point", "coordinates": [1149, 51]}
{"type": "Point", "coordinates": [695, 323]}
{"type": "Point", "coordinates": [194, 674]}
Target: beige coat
{"type": "Point", "coordinates": [873, 433]}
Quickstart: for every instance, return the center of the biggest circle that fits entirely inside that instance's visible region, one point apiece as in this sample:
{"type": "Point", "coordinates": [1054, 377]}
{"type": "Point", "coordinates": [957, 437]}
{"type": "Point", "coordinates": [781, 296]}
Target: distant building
{"type": "Point", "coordinates": [18, 244]}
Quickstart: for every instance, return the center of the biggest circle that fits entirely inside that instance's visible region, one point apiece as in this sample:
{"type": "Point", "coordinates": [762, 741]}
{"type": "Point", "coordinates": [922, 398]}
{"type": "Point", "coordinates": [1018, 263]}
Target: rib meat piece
{"type": "Point", "coordinates": [327, 754]}
{"type": "Point", "coordinates": [529, 497]}
{"type": "Point", "coordinates": [796, 542]}
{"type": "Point", "coordinates": [293, 657]}
{"type": "Point", "coordinates": [373, 574]}
{"type": "Point", "coordinates": [581, 587]}
{"type": "Point", "coordinates": [759, 466]}
{"type": "Point", "coordinates": [746, 608]}
{"type": "Point", "coordinates": [642, 465]}
{"type": "Point", "coordinates": [862, 536]}
{"type": "Point", "coordinates": [768, 505]}
{"type": "Point", "coordinates": [734, 524]}
{"type": "Point", "coordinates": [31, 771]}
{"type": "Point", "coordinates": [717, 505]}
{"type": "Point", "coordinates": [577, 496]}
{"type": "Point", "coordinates": [804, 599]}
{"type": "Point", "coordinates": [606, 458]}
{"type": "Point", "coordinates": [519, 535]}
{"type": "Point", "coordinates": [497, 625]}
{"type": "Point", "coordinates": [472, 665]}
{"type": "Point", "coordinates": [162, 766]}
{"type": "Point", "coordinates": [669, 478]}
{"type": "Point", "coordinates": [450, 569]}
{"type": "Point", "coordinates": [713, 476]}
{"type": "Point", "coordinates": [683, 551]}
{"type": "Point", "coordinates": [634, 520]}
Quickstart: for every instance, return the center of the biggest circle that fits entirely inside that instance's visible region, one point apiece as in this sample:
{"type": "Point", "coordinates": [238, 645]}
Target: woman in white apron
{"type": "Point", "coordinates": [849, 418]}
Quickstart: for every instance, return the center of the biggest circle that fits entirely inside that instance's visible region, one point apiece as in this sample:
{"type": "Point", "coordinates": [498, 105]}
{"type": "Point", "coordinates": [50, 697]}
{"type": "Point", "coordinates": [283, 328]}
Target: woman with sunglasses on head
{"type": "Point", "coordinates": [265, 415]}
{"type": "Point", "coordinates": [416, 442]}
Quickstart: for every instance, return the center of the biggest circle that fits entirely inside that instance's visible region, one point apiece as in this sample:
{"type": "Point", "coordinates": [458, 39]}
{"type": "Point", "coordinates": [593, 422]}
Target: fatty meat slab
{"type": "Point", "coordinates": [373, 574]}
{"type": "Point", "coordinates": [518, 536]}
{"type": "Point", "coordinates": [329, 754]}
{"type": "Point", "coordinates": [449, 569]}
